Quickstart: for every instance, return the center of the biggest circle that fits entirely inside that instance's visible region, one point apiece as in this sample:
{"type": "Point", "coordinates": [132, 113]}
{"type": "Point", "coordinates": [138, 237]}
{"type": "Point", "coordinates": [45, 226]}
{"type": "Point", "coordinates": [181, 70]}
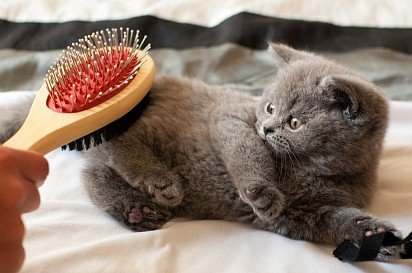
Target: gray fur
{"type": "Point", "coordinates": [209, 152]}
{"type": "Point", "coordinates": [13, 114]}
{"type": "Point", "coordinates": [201, 151]}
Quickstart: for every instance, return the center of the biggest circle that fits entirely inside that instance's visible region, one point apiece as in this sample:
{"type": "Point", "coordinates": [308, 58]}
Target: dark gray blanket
{"type": "Point", "coordinates": [225, 54]}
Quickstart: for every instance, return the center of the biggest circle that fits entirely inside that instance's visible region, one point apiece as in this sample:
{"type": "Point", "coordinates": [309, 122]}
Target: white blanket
{"type": "Point", "coordinates": [69, 234]}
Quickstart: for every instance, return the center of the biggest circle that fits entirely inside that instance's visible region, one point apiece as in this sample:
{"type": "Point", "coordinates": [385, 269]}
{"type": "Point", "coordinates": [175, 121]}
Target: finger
{"type": "Point", "coordinates": [31, 200]}
{"type": "Point", "coordinates": [13, 189]}
{"type": "Point", "coordinates": [18, 194]}
{"type": "Point", "coordinates": [32, 165]}
{"type": "Point", "coordinates": [11, 258]}
{"type": "Point", "coordinates": [11, 228]}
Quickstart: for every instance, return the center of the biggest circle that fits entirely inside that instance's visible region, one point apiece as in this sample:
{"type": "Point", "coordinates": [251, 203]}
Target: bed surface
{"type": "Point", "coordinates": [69, 234]}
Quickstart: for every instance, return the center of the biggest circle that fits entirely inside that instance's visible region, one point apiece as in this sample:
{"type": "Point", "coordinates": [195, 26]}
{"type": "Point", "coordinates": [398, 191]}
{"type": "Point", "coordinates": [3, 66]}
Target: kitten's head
{"type": "Point", "coordinates": [320, 115]}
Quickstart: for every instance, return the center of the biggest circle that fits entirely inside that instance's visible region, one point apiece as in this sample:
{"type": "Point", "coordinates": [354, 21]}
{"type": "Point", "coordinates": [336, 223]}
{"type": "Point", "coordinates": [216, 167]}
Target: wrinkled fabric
{"type": "Point", "coordinates": [69, 234]}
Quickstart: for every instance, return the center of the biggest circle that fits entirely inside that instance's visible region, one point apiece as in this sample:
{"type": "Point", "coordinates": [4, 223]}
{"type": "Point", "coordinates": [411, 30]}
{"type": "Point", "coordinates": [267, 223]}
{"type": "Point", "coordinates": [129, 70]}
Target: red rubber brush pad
{"type": "Point", "coordinates": [93, 82]}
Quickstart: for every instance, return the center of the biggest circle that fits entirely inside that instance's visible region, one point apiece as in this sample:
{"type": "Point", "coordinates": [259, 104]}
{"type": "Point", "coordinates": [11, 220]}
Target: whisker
{"type": "Point", "coordinates": [297, 160]}
{"type": "Point", "coordinates": [291, 161]}
{"type": "Point", "coordinates": [354, 146]}
{"type": "Point", "coordinates": [284, 165]}
{"type": "Point", "coordinates": [281, 167]}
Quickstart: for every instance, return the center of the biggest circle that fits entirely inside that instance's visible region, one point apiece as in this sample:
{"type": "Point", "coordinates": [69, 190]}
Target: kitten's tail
{"type": "Point", "coordinates": [14, 108]}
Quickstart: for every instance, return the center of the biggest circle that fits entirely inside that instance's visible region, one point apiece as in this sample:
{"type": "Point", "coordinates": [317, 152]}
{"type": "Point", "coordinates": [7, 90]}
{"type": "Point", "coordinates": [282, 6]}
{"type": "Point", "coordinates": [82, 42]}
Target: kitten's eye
{"type": "Point", "coordinates": [269, 108]}
{"type": "Point", "coordinates": [295, 123]}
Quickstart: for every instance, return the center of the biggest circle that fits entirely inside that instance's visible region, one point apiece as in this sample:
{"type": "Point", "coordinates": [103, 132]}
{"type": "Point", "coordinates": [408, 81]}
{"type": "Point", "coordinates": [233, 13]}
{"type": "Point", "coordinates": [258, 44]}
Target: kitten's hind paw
{"type": "Point", "coordinates": [140, 217]}
{"type": "Point", "coordinates": [267, 202]}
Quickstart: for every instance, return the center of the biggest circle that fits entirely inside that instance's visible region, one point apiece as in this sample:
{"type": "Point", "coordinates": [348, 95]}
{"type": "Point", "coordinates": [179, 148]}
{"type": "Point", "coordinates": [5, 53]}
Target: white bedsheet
{"type": "Point", "coordinates": [69, 234]}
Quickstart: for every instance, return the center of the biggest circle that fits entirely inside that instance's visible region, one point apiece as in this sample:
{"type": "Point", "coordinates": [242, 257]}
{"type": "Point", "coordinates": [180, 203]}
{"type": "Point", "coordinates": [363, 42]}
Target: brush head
{"type": "Point", "coordinates": [47, 128]}
{"type": "Point", "coordinates": [94, 69]}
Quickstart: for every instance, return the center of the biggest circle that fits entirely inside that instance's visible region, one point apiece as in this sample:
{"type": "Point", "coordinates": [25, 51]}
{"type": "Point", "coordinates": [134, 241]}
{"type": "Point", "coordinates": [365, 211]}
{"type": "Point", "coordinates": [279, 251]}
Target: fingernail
{"type": "Point", "coordinates": [39, 183]}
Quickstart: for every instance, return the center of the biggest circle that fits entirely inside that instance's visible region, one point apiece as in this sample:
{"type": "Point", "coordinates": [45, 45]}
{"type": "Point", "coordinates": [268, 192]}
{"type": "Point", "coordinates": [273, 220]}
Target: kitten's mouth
{"type": "Point", "coordinates": [279, 144]}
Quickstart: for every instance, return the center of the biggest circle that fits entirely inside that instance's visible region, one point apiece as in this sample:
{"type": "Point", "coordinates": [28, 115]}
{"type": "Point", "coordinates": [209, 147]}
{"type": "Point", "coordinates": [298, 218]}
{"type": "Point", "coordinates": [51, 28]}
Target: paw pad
{"type": "Point", "coordinates": [135, 216]}
{"type": "Point", "coordinates": [251, 193]}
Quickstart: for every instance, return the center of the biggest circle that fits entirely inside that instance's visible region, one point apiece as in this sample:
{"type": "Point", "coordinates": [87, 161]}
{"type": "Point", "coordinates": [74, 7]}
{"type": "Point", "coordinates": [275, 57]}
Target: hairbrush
{"type": "Point", "coordinates": [92, 85]}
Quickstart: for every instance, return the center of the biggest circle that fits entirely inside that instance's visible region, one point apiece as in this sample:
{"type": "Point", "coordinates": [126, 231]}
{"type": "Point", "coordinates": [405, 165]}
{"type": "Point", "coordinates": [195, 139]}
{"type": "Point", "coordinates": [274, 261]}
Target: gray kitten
{"type": "Point", "coordinates": [300, 161]}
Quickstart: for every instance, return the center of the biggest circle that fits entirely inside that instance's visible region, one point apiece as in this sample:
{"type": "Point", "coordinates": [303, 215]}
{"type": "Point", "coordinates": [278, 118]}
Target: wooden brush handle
{"type": "Point", "coordinates": [45, 130]}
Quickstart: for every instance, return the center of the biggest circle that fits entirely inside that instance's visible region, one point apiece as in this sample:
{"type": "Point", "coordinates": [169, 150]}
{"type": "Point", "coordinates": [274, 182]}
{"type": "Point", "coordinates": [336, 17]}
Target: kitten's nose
{"type": "Point", "coordinates": [267, 130]}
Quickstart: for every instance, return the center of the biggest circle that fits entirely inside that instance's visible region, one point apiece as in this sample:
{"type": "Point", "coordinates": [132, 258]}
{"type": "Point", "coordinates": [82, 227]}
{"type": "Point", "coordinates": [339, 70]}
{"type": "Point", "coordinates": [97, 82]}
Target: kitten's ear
{"type": "Point", "coordinates": [284, 54]}
{"type": "Point", "coordinates": [343, 90]}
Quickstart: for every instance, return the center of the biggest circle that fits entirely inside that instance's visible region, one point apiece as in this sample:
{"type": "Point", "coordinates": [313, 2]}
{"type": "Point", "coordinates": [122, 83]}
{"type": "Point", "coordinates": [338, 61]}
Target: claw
{"type": "Point", "coordinates": [149, 210]}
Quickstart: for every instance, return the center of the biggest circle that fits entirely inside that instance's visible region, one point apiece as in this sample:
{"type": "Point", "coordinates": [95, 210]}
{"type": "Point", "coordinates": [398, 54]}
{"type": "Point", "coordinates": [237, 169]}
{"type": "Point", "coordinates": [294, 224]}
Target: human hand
{"type": "Point", "coordinates": [21, 173]}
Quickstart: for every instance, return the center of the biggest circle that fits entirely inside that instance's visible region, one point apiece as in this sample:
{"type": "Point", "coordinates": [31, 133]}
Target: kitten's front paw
{"type": "Point", "coordinates": [267, 202]}
{"type": "Point", "coordinates": [367, 226]}
{"type": "Point", "coordinates": [166, 188]}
